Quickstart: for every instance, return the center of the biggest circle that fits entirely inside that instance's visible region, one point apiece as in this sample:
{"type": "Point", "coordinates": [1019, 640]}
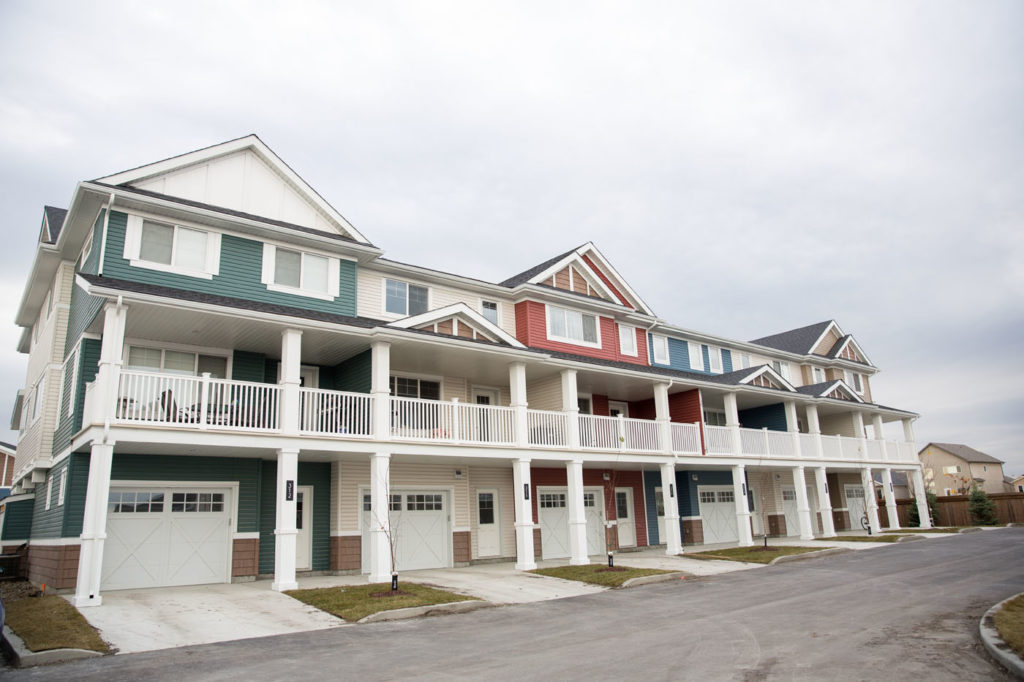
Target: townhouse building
{"type": "Point", "coordinates": [227, 380]}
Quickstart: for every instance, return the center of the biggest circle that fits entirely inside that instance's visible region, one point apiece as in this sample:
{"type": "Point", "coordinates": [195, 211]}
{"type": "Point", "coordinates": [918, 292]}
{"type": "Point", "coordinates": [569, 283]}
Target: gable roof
{"type": "Point", "coordinates": [464, 312]}
{"type": "Point", "coordinates": [53, 222]}
{"type": "Point", "coordinates": [800, 341]}
{"type": "Point", "coordinates": [968, 454]}
{"type": "Point", "coordinates": [823, 389]}
{"type": "Point", "coordinates": [527, 275]}
{"type": "Point", "coordinates": [743, 377]}
{"type": "Point", "coordinates": [148, 176]}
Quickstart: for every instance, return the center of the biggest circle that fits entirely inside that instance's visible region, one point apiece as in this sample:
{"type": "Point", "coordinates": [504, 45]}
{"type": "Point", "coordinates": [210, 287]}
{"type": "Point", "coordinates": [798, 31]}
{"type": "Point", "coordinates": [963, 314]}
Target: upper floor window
{"type": "Point", "coordinates": [782, 368]}
{"type": "Point", "coordinates": [297, 272]}
{"type": "Point", "coordinates": [572, 326]}
{"type": "Point", "coordinates": [696, 356]}
{"type": "Point", "coordinates": [854, 380]}
{"type": "Point", "coordinates": [714, 417]}
{"type": "Point", "coordinates": [402, 298]}
{"type": "Point", "coordinates": [660, 346]}
{"type": "Point", "coordinates": [489, 309]}
{"type": "Point", "coordinates": [627, 340]}
{"type": "Point", "coordinates": [171, 248]}
{"type": "Point", "coordinates": [740, 360]}
{"type": "Point", "coordinates": [818, 375]}
{"type": "Point", "coordinates": [715, 358]}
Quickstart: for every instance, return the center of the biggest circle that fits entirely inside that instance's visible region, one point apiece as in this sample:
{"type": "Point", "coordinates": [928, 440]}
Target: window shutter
{"type": "Point", "coordinates": [133, 237]}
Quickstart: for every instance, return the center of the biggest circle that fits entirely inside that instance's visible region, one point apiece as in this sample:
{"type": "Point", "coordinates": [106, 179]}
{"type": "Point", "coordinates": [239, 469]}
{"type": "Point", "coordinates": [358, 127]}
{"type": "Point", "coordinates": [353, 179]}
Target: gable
{"type": "Point", "coordinates": [454, 326]}
{"type": "Point", "coordinates": [838, 394]}
{"type": "Point", "coordinates": [573, 278]}
{"type": "Point", "coordinates": [827, 340]}
{"type": "Point", "coordinates": [241, 175]}
{"type": "Point", "coordinates": [458, 319]}
{"type": "Point", "coordinates": [765, 381]}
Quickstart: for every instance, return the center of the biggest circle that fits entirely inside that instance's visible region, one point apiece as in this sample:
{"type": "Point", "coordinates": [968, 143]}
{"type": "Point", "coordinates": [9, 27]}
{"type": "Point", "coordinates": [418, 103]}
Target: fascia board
{"type": "Point", "coordinates": [606, 265]}
{"type": "Point", "coordinates": [394, 334]}
{"type": "Point", "coordinates": [574, 258]}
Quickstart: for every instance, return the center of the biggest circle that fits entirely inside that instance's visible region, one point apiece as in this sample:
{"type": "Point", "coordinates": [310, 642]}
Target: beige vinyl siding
{"type": "Point", "coordinates": [499, 478]}
{"type": "Point", "coordinates": [454, 387]}
{"type": "Point", "coordinates": [769, 497]}
{"type": "Point", "coordinates": [838, 425]}
{"type": "Point", "coordinates": [866, 384]}
{"type": "Point", "coordinates": [826, 343]}
{"type": "Point", "coordinates": [545, 394]}
{"type": "Point", "coordinates": [846, 479]}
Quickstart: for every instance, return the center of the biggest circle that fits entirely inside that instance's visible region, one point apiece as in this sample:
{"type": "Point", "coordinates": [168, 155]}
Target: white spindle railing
{"type": "Point", "coordinates": [851, 448]}
{"type": "Point", "coordinates": [809, 446]}
{"type": "Point", "coordinates": [600, 433]}
{"type": "Point", "coordinates": [489, 424]}
{"type": "Point", "coordinates": [641, 435]}
{"type": "Point", "coordinates": [417, 419]}
{"type": "Point", "coordinates": [335, 413]}
{"type": "Point", "coordinates": [686, 439]}
{"type": "Point", "coordinates": [547, 429]}
{"type": "Point", "coordinates": [754, 442]}
{"type": "Point", "coordinates": [780, 444]}
{"type": "Point", "coordinates": [874, 452]}
{"type": "Point", "coordinates": [718, 440]}
{"type": "Point", "coordinates": [831, 447]}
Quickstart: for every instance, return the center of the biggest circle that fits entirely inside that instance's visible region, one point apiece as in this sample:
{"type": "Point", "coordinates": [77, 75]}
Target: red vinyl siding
{"type": "Point", "coordinates": [599, 405]}
{"type": "Point", "coordinates": [685, 408]}
{"type": "Point", "coordinates": [642, 409]}
{"type": "Point", "coordinates": [607, 282]}
{"type": "Point", "coordinates": [531, 329]}
{"type": "Point", "coordinates": [593, 478]}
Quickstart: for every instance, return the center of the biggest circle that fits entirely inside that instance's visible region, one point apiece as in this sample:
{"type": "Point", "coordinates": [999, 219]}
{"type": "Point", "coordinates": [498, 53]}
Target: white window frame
{"type": "Point", "coordinates": [133, 246]}
{"type": "Point", "coordinates": [628, 332]}
{"type": "Point", "coordinates": [660, 349]}
{"type": "Point", "coordinates": [782, 367]}
{"type": "Point", "coordinates": [566, 339]}
{"type": "Point", "coordinates": [384, 297]}
{"type": "Point", "coordinates": [270, 273]}
{"type": "Point", "coordinates": [163, 348]}
{"type": "Point", "coordinates": [855, 381]}
{"type": "Point", "coordinates": [696, 353]}
{"type": "Point", "coordinates": [49, 491]}
{"type": "Point", "coordinates": [739, 360]}
{"type": "Point", "coordinates": [714, 411]}
{"type": "Point", "coordinates": [63, 486]}
{"type": "Point", "coordinates": [483, 301]}
{"type": "Point", "coordinates": [38, 396]}
{"type": "Point", "coordinates": [87, 248]}
{"type": "Point", "coordinates": [622, 407]}
{"type": "Point", "coordinates": [817, 375]}
{"type": "Point", "coordinates": [714, 352]}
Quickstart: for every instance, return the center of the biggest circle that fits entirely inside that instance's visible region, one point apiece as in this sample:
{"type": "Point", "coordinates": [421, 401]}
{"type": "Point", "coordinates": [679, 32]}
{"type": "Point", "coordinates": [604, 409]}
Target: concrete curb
{"type": "Point", "coordinates": [430, 610]}
{"type": "Point", "coordinates": [1015, 524]}
{"type": "Point", "coordinates": [809, 555]}
{"type": "Point", "coordinates": [910, 538]}
{"type": "Point", "coordinates": [972, 529]}
{"type": "Point", "coordinates": [651, 579]}
{"type": "Point", "coordinates": [995, 645]}
{"type": "Point", "coordinates": [21, 657]}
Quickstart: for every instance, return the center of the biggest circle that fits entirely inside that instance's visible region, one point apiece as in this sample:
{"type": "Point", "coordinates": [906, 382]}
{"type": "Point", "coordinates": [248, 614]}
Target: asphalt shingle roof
{"type": "Point", "coordinates": [525, 276]}
{"type": "Point", "coordinates": [55, 220]}
{"type": "Point", "coordinates": [968, 454]}
{"type": "Point", "coordinates": [800, 341]}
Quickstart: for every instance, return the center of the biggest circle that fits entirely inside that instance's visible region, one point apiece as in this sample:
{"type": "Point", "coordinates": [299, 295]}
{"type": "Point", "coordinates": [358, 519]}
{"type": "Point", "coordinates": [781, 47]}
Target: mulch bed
{"type": "Point", "coordinates": [13, 590]}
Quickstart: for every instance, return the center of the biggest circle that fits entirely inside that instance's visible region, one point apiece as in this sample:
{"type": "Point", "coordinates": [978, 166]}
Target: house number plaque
{"type": "Point", "coordinates": [289, 490]}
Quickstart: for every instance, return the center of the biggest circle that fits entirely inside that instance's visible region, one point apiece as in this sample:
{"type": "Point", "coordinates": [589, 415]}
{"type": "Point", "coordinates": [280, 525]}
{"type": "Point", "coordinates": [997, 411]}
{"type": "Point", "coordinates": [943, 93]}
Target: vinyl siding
{"type": "Point", "coordinates": [91, 264]}
{"type": "Point", "coordinates": [354, 374]}
{"type": "Point", "coordinates": [838, 425]}
{"type": "Point", "coordinates": [678, 354]}
{"type": "Point", "coordinates": [316, 474]}
{"type": "Point", "coordinates": [84, 309]}
{"type": "Point", "coordinates": [499, 478]}
{"type": "Point", "coordinates": [246, 366]}
{"type": "Point", "coordinates": [18, 520]}
{"type": "Point", "coordinates": [531, 330]}
{"type": "Point", "coordinates": [545, 394]}
{"type": "Point", "coordinates": [241, 268]}
{"type": "Point", "coordinates": [88, 366]}
{"type": "Point", "coordinates": [771, 417]}
{"type": "Point", "coordinates": [49, 523]}
{"type": "Point", "coordinates": [607, 281]}
{"type": "Point", "coordinates": [826, 343]}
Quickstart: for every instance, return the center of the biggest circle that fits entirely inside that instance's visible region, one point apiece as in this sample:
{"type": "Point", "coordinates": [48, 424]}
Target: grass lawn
{"type": "Point", "coordinates": [352, 602]}
{"type": "Point", "coordinates": [954, 529]}
{"type": "Point", "coordinates": [50, 622]}
{"type": "Point", "coordinates": [755, 555]}
{"type": "Point", "coordinates": [1010, 623]}
{"type": "Point", "coordinates": [598, 574]}
{"type": "Point", "coordinates": [862, 538]}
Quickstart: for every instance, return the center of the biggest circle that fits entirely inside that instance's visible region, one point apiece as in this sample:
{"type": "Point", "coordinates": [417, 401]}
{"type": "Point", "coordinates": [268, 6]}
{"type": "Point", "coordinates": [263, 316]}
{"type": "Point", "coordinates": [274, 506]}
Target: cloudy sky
{"type": "Point", "coordinates": [748, 168]}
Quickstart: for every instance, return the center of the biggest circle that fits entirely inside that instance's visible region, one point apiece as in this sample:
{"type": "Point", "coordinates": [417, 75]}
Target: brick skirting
{"type": "Point", "coordinates": [840, 520]}
{"type": "Point", "coordinates": [55, 565]}
{"type": "Point", "coordinates": [346, 553]}
{"type": "Point", "coordinates": [693, 532]}
{"type": "Point", "coordinates": [245, 555]}
{"type": "Point", "coordinates": [536, 543]}
{"type": "Point", "coordinates": [461, 549]}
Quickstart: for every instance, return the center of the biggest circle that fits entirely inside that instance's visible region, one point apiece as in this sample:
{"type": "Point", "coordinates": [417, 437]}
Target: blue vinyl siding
{"type": "Point", "coordinates": [687, 482]}
{"type": "Point", "coordinates": [771, 417]}
{"type": "Point", "coordinates": [652, 480]}
{"type": "Point", "coordinates": [726, 360]}
{"type": "Point", "coordinates": [241, 269]}
{"type": "Point", "coordinates": [17, 520]}
{"type": "Point", "coordinates": [678, 354]}
{"type": "Point", "coordinates": [316, 474]}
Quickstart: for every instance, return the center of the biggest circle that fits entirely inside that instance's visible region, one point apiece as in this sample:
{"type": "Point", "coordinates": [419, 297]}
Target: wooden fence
{"type": "Point", "coordinates": [952, 510]}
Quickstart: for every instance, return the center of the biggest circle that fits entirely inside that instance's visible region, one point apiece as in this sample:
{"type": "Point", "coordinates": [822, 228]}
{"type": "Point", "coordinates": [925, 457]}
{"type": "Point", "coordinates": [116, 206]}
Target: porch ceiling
{"type": "Point", "coordinates": [479, 363]}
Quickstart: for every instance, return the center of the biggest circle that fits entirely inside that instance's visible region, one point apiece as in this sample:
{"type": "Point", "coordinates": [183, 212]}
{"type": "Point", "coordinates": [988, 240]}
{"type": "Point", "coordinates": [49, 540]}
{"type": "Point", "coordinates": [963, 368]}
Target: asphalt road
{"type": "Point", "coordinates": [902, 612]}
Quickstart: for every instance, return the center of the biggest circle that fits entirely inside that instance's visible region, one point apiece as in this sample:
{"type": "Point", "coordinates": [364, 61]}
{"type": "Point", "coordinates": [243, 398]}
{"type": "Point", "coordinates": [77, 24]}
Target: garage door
{"type": "Point", "coordinates": [789, 508]}
{"type": "Point", "coordinates": [420, 527]}
{"type": "Point", "coordinates": [717, 513]}
{"type": "Point", "coordinates": [856, 506]}
{"type": "Point", "coordinates": [553, 515]}
{"type": "Point", "coordinates": [158, 537]}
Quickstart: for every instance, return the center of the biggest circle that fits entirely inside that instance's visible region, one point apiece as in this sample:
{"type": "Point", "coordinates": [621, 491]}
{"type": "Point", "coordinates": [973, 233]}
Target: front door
{"type": "Point", "coordinates": [624, 511]}
{"type": "Point", "coordinates": [304, 526]}
{"type": "Point", "coordinates": [488, 531]}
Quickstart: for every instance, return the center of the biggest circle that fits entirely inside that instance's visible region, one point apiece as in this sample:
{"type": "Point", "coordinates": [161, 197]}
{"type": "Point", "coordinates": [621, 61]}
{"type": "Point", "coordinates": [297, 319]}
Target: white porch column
{"type": "Point", "coordinates": [571, 406]}
{"type": "Point", "coordinates": [803, 506]}
{"type": "Point", "coordinates": [517, 391]}
{"type": "Point", "coordinates": [739, 487]}
{"type": "Point", "coordinates": [380, 389]}
{"type": "Point", "coordinates": [908, 430]}
{"type": "Point", "coordinates": [285, 531]}
{"type": "Point", "coordinates": [921, 498]}
{"type": "Point", "coordinates": [670, 498]}
{"type": "Point", "coordinates": [793, 427]}
{"type": "Point", "coordinates": [877, 426]}
{"type": "Point", "coordinates": [525, 559]}
{"type": "Point", "coordinates": [380, 517]}
{"type": "Point", "coordinates": [291, 372]}
{"type": "Point", "coordinates": [732, 420]}
{"type": "Point", "coordinates": [814, 428]}
{"type": "Point", "coordinates": [828, 527]}
{"type": "Point", "coordinates": [662, 416]}
{"type": "Point", "coordinates": [111, 354]}
{"type": "Point", "coordinates": [94, 526]}
{"type": "Point", "coordinates": [577, 514]}
{"type": "Point", "coordinates": [890, 499]}
{"type": "Point", "coordinates": [868, 483]}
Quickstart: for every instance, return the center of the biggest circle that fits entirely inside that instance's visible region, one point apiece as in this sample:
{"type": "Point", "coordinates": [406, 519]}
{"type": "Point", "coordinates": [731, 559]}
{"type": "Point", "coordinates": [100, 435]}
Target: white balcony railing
{"type": "Point", "coordinates": [686, 439]}
{"type": "Point", "coordinates": [600, 433]}
{"type": "Point", "coordinates": [547, 429]}
{"type": "Point", "coordinates": [487, 424]}
{"type": "Point", "coordinates": [338, 413]}
{"type": "Point", "coordinates": [719, 440]}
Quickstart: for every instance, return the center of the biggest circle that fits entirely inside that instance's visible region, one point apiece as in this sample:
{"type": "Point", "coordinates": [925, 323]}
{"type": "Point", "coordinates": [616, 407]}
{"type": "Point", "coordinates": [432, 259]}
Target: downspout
{"type": "Point", "coordinates": [103, 243]}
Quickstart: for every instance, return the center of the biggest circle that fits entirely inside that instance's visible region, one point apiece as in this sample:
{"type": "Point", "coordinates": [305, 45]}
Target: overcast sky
{"type": "Point", "coordinates": [748, 168]}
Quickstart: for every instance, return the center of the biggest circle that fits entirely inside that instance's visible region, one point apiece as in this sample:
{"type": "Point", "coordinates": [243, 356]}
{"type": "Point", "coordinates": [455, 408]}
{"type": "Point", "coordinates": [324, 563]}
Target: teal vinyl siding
{"type": "Point", "coordinates": [91, 264]}
{"type": "Point", "coordinates": [726, 360]}
{"type": "Point", "coordinates": [771, 417]}
{"type": "Point", "coordinates": [84, 309]}
{"type": "Point", "coordinates": [241, 268]}
{"type": "Point", "coordinates": [88, 366]}
{"type": "Point", "coordinates": [246, 366]}
{"type": "Point", "coordinates": [49, 523]}
{"type": "Point", "coordinates": [17, 520]}
{"type": "Point", "coordinates": [74, 496]}
{"type": "Point", "coordinates": [354, 374]}
{"type": "Point", "coordinates": [316, 474]}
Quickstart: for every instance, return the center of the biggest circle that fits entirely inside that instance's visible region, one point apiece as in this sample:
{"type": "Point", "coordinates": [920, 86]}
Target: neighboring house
{"type": "Point", "coordinates": [1016, 484]}
{"type": "Point", "coordinates": [952, 469]}
{"type": "Point", "coordinates": [7, 452]}
{"type": "Point", "coordinates": [227, 380]}
{"type": "Point", "coordinates": [901, 485]}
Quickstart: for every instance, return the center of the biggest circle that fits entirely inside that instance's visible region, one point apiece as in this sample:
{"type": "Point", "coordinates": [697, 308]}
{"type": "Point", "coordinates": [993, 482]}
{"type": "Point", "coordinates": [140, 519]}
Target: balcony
{"type": "Point", "coordinates": [204, 403]}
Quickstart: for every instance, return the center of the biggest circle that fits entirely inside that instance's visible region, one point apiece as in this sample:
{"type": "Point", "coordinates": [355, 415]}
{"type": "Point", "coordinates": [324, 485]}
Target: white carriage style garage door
{"type": "Point", "coordinates": [158, 537]}
{"type": "Point", "coordinates": [856, 506]}
{"type": "Point", "coordinates": [789, 509]}
{"type": "Point", "coordinates": [717, 513]}
{"type": "Point", "coordinates": [420, 528]}
{"type": "Point", "coordinates": [553, 514]}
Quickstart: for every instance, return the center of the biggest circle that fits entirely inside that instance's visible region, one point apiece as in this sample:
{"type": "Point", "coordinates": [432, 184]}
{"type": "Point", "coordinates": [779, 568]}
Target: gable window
{"type": "Point", "coordinates": [627, 340]}
{"type": "Point", "coordinates": [489, 309]}
{"type": "Point", "coordinates": [183, 363]}
{"type": "Point", "coordinates": [715, 356]}
{"type": "Point", "coordinates": [402, 298]}
{"type": "Point", "coordinates": [172, 248]}
{"type": "Point", "coordinates": [696, 356]}
{"type": "Point", "coordinates": [296, 272]}
{"type": "Point", "coordinates": [818, 374]}
{"type": "Point", "coordinates": [572, 326]}
{"type": "Point", "coordinates": [660, 346]}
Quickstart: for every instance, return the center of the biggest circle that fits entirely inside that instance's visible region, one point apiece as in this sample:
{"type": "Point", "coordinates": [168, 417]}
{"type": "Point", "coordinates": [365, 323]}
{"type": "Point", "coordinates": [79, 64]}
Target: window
{"type": "Point", "coordinates": [714, 417]}
{"type": "Point", "coordinates": [489, 309]}
{"type": "Point", "coordinates": [402, 298]}
{"type": "Point", "coordinates": [955, 469]}
{"type": "Point", "coordinates": [789, 495]}
{"type": "Point", "coordinates": [715, 356]}
{"type": "Point", "coordinates": [552, 500]}
{"type": "Point", "coordinates": [572, 326]}
{"type": "Point", "coordinates": [627, 340]}
{"type": "Point", "coordinates": [135, 502]}
{"type": "Point", "coordinates": [196, 502]}
{"type": "Point", "coordinates": [63, 486]}
{"type": "Point", "coordinates": [818, 375]}
{"type": "Point", "coordinates": [176, 362]}
{"type": "Point", "coordinates": [404, 387]}
{"type": "Point", "coordinates": [589, 500]}
{"type": "Point", "coordinates": [49, 490]}
{"type": "Point", "coordinates": [172, 248]}
{"type": "Point", "coordinates": [726, 496]}
{"type": "Point", "coordinates": [303, 274]}
{"type": "Point", "coordinates": [707, 496]}
{"type": "Point", "coordinates": [621, 505]}
{"type": "Point", "coordinates": [660, 346]}
{"type": "Point", "coordinates": [740, 360]}
{"type": "Point", "coordinates": [423, 503]}
{"type": "Point", "coordinates": [485, 508]}
{"type": "Point", "coordinates": [782, 368]}
{"type": "Point", "coordinates": [37, 400]}
{"type": "Point", "coordinates": [659, 501]}
{"type": "Point", "coordinates": [853, 379]}
{"type": "Point", "coordinates": [696, 356]}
